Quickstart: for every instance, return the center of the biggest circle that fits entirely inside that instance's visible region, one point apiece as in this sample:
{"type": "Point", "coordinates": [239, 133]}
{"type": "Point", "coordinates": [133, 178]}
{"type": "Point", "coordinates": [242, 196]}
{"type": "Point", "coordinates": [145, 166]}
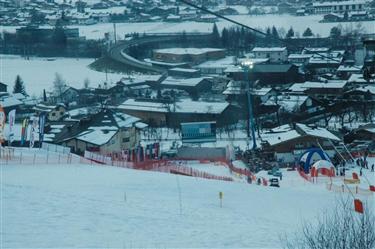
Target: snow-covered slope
{"type": "Point", "coordinates": [93, 206]}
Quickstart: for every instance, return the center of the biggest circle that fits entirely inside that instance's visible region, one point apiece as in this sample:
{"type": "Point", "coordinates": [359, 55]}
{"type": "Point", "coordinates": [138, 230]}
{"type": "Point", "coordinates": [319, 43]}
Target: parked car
{"type": "Point", "coordinates": [274, 182]}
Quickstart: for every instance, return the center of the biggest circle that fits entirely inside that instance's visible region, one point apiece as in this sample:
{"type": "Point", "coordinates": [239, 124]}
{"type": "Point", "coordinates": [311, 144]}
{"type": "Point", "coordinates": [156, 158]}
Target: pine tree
{"type": "Point", "coordinates": [275, 34]}
{"type": "Point", "coordinates": [290, 33]}
{"type": "Point", "coordinates": [44, 95]}
{"type": "Point", "coordinates": [307, 33]}
{"type": "Point", "coordinates": [215, 36]}
{"type": "Point", "coordinates": [268, 33]}
{"type": "Point", "coordinates": [19, 86]}
{"type": "Point", "coordinates": [335, 32]}
{"type": "Point", "coordinates": [225, 38]}
{"type": "Point", "coordinates": [58, 38]}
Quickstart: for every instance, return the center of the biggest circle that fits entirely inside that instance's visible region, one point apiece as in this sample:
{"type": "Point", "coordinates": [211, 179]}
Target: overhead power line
{"type": "Point", "coordinates": [256, 30]}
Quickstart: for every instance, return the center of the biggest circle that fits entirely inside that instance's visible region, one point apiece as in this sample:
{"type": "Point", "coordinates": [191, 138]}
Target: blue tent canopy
{"type": "Point", "coordinates": [306, 157]}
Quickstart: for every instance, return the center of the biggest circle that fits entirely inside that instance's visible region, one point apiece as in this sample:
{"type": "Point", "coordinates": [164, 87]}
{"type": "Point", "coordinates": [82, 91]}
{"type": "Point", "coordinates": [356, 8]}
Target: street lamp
{"type": "Point", "coordinates": [247, 65]}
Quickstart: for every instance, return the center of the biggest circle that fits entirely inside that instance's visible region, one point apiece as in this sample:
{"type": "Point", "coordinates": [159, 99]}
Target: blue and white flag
{"type": "Point", "coordinates": [33, 130]}
{"type": "Point", "coordinates": [42, 121]}
{"type": "Point", "coordinates": [12, 121]}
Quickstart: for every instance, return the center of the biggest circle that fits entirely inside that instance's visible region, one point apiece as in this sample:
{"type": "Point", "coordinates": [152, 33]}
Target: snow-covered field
{"type": "Point", "coordinates": [299, 24]}
{"type": "Point", "coordinates": [93, 206]}
{"type": "Point", "coordinates": [39, 73]}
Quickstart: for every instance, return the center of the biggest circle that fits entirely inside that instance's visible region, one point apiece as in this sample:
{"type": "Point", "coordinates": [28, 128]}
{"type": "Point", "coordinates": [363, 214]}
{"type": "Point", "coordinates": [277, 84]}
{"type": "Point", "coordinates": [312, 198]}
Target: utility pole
{"type": "Point", "coordinates": [114, 32]}
{"type": "Point", "coordinates": [246, 65]}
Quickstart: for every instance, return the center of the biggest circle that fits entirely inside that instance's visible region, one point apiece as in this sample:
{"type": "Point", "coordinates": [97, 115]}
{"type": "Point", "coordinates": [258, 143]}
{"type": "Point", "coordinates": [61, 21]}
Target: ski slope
{"type": "Point", "coordinates": [98, 206]}
{"type": "Point", "coordinates": [84, 205]}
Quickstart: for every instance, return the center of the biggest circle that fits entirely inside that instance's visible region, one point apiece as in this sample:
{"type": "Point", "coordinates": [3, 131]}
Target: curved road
{"type": "Point", "coordinates": [118, 51]}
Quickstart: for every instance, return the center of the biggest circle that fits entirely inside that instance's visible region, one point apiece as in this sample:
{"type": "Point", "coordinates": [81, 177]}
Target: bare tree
{"type": "Point", "coordinates": [340, 228]}
{"type": "Point", "coordinates": [86, 83]}
{"type": "Point", "coordinates": [58, 86]}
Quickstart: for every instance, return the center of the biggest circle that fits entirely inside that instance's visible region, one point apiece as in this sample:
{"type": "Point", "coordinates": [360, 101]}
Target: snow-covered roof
{"type": "Point", "coordinates": [19, 96]}
{"type": "Point", "coordinates": [344, 68]}
{"type": "Point", "coordinates": [297, 87]}
{"type": "Point", "coordinates": [141, 125]}
{"type": "Point", "coordinates": [233, 87]}
{"type": "Point", "coordinates": [185, 70]}
{"type": "Point", "coordinates": [299, 56]}
{"type": "Point", "coordinates": [98, 135]}
{"type": "Point", "coordinates": [285, 133]}
{"type": "Point", "coordinates": [337, 3]}
{"type": "Point", "coordinates": [139, 79]}
{"type": "Point", "coordinates": [262, 91]}
{"type": "Point", "coordinates": [288, 103]}
{"type": "Point", "coordinates": [165, 63]}
{"type": "Point", "coordinates": [315, 50]}
{"type": "Point", "coordinates": [44, 108]}
{"type": "Point", "coordinates": [233, 69]}
{"type": "Point", "coordinates": [370, 89]}
{"type": "Point", "coordinates": [358, 78]}
{"type": "Point", "coordinates": [280, 137]}
{"type": "Point", "coordinates": [221, 63]}
{"type": "Point", "coordinates": [317, 132]}
{"type": "Point", "coordinates": [326, 58]}
{"type": "Point", "coordinates": [269, 49]}
{"type": "Point", "coordinates": [124, 120]}
{"type": "Point", "coordinates": [190, 82]}
{"type": "Point", "coordinates": [173, 17]}
{"type": "Point", "coordinates": [339, 84]}
{"type": "Point", "coordinates": [9, 101]}
{"type": "Point", "coordinates": [208, 16]}
{"type": "Point", "coordinates": [181, 106]}
{"type": "Point", "coordinates": [81, 111]}
{"type": "Point", "coordinates": [187, 51]}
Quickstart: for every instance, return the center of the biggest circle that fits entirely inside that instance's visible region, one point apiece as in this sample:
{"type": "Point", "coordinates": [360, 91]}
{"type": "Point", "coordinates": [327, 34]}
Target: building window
{"type": "Point", "coordinates": [126, 140]}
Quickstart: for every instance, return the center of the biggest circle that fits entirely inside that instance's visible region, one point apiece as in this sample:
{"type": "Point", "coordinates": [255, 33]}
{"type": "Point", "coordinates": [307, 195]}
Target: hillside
{"type": "Point", "coordinates": [77, 205]}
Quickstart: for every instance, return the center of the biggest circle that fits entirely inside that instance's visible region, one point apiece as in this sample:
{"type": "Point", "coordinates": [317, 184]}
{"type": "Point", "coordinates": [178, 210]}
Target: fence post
{"type": "Point", "coordinates": [21, 157]}
{"type": "Point", "coordinates": [34, 158]}
{"type": "Point", "coordinates": [59, 159]}
{"type": "Point", "coordinates": [47, 156]}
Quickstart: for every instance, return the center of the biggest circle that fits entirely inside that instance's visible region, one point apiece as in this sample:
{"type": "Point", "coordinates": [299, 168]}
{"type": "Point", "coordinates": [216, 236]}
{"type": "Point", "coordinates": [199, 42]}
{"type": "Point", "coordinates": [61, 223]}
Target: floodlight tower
{"type": "Point", "coordinates": [247, 65]}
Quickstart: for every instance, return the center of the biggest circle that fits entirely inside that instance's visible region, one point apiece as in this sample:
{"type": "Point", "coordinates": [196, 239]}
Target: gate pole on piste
{"type": "Point", "coordinates": [358, 205]}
